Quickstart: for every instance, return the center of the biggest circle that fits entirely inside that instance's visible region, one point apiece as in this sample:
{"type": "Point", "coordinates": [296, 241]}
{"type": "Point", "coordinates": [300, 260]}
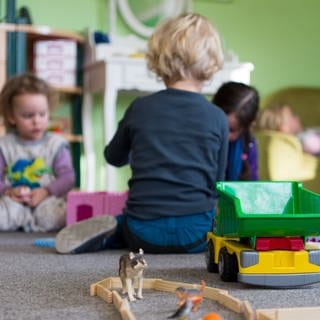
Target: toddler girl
{"type": "Point", "coordinates": [35, 166]}
{"type": "Point", "coordinates": [280, 117]}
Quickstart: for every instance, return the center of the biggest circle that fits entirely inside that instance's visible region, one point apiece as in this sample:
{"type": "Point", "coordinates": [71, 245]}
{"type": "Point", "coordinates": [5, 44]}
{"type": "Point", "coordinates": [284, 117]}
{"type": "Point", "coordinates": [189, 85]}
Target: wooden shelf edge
{"type": "Point", "coordinates": [7, 27]}
{"type": "Point", "coordinates": [68, 90]}
{"type": "Point", "coordinates": [72, 137]}
{"type": "Point", "coordinates": [43, 30]}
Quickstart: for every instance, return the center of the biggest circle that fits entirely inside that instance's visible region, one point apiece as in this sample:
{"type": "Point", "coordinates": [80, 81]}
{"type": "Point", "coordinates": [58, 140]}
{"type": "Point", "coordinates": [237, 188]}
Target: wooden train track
{"type": "Point", "coordinates": [105, 289]}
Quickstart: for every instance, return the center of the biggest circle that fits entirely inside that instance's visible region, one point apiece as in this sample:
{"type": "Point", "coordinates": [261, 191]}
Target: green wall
{"type": "Point", "coordinates": [74, 15]}
{"type": "Point", "coordinates": [280, 37]}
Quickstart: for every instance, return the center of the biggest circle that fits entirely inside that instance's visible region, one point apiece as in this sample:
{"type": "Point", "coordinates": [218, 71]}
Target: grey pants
{"type": "Point", "coordinates": [49, 215]}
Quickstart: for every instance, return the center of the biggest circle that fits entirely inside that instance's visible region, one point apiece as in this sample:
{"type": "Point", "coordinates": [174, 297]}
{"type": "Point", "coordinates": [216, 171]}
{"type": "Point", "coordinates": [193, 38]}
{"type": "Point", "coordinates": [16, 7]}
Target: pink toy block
{"type": "Point", "coordinates": [115, 202]}
{"type": "Point", "coordinates": [84, 205]}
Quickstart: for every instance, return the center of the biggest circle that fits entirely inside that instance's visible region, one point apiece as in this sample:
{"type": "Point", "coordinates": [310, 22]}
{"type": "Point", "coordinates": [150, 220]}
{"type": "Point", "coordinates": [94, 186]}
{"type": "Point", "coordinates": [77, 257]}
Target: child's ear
{"type": "Point", "coordinates": [11, 118]}
{"type": "Point", "coordinates": [11, 121]}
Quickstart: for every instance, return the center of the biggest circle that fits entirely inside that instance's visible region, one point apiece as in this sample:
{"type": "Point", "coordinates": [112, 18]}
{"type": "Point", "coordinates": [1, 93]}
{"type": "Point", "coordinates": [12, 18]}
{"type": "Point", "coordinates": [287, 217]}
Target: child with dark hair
{"type": "Point", "coordinates": [240, 102]}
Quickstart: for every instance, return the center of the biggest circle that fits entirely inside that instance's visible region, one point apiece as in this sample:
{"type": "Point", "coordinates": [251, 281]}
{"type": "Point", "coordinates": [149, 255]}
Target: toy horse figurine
{"type": "Point", "coordinates": [131, 267]}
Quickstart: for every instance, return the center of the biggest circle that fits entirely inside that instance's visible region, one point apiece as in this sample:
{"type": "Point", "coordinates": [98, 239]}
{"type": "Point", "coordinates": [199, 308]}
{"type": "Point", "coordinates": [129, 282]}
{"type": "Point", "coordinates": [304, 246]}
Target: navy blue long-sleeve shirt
{"type": "Point", "coordinates": [177, 142]}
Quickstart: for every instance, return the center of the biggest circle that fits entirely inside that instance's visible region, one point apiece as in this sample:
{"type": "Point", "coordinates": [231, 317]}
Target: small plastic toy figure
{"type": "Point", "coordinates": [194, 295]}
{"type": "Point", "coordinates": [212, 316]}
{"type": "Point", "coordinates": [131, 267]}
{"type": "Point", "coordinates": [183, 311]}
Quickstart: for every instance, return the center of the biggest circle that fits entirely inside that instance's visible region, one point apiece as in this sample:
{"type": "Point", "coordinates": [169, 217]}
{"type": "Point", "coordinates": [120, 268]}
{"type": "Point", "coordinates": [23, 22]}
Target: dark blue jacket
{"type": "Point", "coordinates": [176, 143]}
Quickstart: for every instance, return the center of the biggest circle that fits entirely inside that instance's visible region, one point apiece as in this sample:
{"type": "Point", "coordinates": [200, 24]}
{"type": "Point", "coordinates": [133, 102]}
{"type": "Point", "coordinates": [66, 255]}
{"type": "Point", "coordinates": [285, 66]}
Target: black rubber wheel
{"type": "Point", "coordinates": [209, 254]}
{"type": "Point", "coordinates": [228, 266]}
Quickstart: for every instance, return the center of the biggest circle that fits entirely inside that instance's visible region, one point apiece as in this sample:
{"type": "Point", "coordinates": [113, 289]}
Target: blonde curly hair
{"type": "Point", "coordinates": [271, 117]}
{"type": "Point", "coordinates": [183, 48]}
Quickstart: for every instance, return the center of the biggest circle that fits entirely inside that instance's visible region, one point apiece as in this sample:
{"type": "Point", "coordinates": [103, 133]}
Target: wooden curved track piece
{"type": "Point", "coordinates": [105, 289]}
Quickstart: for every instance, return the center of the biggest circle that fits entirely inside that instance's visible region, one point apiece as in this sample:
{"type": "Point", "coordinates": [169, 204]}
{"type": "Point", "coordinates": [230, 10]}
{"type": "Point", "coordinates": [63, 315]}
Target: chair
{"type": "Point", "coordinates": [281, 158]}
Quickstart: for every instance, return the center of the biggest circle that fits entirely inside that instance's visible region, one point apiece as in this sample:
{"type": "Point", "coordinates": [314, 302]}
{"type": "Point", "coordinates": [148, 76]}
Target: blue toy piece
{"type": "Point", "coordinates": [45, 242]}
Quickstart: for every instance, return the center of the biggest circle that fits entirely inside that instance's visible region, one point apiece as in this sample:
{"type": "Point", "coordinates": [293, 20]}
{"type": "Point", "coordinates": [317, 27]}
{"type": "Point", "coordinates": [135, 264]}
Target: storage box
{"type": "Point", "coordinates": [66, 48]}
{"type": "Point", "coordinates": [58, 78]}
{"type": "Point", "coordinates": [84, 205]}
{"type": "Point", "coordinates": [55, 61]}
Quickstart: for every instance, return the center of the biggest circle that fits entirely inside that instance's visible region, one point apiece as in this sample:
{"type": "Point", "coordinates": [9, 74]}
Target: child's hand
{"type": "Point", "coordinates": [37, 195]}
{"type": "Point", "coordinates": [19, 194]}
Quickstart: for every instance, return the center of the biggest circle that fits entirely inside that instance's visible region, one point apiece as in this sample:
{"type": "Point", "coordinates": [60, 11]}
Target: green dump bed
{"type": "Point", "coordinates": [266, 209]}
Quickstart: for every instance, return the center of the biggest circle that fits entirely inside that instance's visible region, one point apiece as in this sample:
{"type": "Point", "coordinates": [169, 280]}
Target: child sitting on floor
{"type": "Point", "coordinates": [280, 117]}
{"type": "Point", "coordinates": [35, 165]}
{"type": "Point", "coordinates": [176, 143]}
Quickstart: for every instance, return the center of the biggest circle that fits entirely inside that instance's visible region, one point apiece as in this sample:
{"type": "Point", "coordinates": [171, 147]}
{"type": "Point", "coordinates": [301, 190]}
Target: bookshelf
{"type": "Point", "coordinates": [17, 56]}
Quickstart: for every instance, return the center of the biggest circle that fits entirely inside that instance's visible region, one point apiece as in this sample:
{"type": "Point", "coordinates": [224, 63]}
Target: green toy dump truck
{"type": "Point", "coordinates": [260, 234]}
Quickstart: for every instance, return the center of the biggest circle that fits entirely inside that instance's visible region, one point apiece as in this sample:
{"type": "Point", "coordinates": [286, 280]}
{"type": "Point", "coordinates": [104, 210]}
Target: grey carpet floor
{"type": "Point", "coordinates": [37, 283]}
